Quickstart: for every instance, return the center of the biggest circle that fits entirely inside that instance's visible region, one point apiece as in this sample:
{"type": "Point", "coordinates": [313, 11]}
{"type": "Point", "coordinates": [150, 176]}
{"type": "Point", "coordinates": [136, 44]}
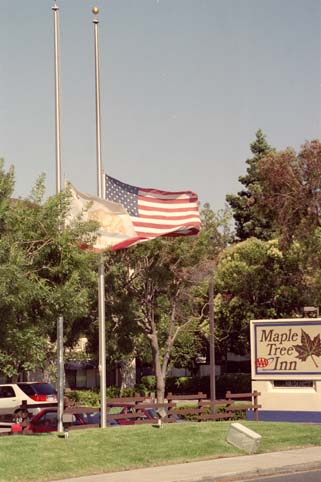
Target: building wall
{"type": "Point", "coordinates": [306, 399]}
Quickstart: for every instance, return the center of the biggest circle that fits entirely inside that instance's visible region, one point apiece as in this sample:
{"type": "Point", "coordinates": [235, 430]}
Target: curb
{"type": "Point", "coordinates": [252, 474]}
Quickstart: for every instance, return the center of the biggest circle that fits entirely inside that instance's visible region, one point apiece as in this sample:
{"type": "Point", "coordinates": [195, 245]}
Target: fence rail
{"type": "Point", "coordinates": [168, 411]}
{"type": "Point", "coordinates": [224, 408]}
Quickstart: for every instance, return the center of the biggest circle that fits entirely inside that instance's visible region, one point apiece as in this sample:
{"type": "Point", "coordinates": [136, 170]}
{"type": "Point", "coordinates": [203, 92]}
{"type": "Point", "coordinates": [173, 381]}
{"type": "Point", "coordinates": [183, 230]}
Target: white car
{"type": "Point", "coordinates": [39, 394]}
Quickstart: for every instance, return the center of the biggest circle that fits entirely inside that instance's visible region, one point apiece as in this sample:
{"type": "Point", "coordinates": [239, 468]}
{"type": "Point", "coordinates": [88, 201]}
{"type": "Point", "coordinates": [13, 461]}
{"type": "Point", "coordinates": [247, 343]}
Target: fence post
{"type": "Point", "coordinates": [169, 401]}
{"type": "Point", "coordinates": [256, 402]}
{"type": "Point", "coordinates": [136, 402]}
{"type": "Point", "coordinates": [199, 406]}
{"type": "Point", "coordinates": [228, 398]}
{"type": "Point", "coordinates": [229, 402]}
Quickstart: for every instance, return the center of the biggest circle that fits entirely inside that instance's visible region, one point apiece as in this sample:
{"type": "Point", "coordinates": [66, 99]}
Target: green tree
{"type": "Point", "coordinates": [151, 294]}
{"type": "Point", "coordinates": [43, 274]}
{"type": "Point", "coordinates": [250, 218]}
{"type": "Point", "coordinates": [190, 344]}
{"type": "Point", "coordinates": [6, 190]}
{"type": "Point", "coordinates": [291, 189]}
{"type": "Point", "coordinates": [255, 279]}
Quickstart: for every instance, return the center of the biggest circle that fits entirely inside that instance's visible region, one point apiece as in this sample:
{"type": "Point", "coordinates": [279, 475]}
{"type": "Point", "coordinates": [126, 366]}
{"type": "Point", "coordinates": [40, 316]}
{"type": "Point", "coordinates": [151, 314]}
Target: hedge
{"type": "Point", "coordinates": [235, 382]}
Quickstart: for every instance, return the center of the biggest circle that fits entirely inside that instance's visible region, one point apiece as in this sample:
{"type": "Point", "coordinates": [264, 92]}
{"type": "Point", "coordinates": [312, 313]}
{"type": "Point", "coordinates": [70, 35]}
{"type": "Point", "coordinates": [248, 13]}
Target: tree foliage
{"type": "Point", "coordinates": [157, 292]}
{"type": "Point", "coordinates": [277, 272]}
{"type": "Point", "coordinates": [250, 219]}
{"type": "Point", "coordinates": [291, 189]}
{"type": "Point", "coordinates": [255, 279]}
{"type": "Point", "coordinates": [151, 295]}
{"type": "Point", "coordinates": [43, 274]}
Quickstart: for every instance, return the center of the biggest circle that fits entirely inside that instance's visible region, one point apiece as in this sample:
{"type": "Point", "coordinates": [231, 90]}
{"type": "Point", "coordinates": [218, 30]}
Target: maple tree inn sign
{"type": "Point", "coordinates": [286, 349]}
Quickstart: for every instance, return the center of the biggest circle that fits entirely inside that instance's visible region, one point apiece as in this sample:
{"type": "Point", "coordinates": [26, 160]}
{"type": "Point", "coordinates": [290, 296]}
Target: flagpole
{"type": "Point", "coordinates": [60, 342]}
{"type": "Point", "coordinates": [55, 9]}
{"type": "Point", "coordinates": [101, 272]}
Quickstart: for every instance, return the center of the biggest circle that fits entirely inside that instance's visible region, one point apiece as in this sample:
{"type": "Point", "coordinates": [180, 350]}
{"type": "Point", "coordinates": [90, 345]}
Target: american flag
{"type": "Point", "coordinates": [153, 212]}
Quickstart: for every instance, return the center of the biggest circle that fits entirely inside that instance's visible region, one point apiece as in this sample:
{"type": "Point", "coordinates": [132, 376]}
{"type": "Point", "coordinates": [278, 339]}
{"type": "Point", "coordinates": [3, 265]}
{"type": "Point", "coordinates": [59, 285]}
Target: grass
{"type": "Point", "coordinates": [47, 457]}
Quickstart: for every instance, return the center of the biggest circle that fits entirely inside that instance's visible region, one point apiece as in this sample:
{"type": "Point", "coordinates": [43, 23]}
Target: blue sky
{"type": "Point", "coordinates": [185, 84]}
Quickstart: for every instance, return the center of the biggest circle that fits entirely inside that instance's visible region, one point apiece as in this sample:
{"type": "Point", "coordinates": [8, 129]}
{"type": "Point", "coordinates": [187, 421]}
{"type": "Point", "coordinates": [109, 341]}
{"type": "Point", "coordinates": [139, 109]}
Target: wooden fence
{"type": "Point", "coordinates": [223, 409]}
{"type": "Point", "coordinates": [219, 409]}
{"type": "Point", "coordinates": [197, 407]}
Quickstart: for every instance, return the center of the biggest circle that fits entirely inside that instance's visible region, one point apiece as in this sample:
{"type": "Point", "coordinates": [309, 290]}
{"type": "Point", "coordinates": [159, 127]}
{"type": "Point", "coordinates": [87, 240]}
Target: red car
{"type": "Point", "coordinates": [47, 421]}
{"type": "Point", "coordinates": [126, 408]}
{"type": "Point", "coordinates": [148, 413]}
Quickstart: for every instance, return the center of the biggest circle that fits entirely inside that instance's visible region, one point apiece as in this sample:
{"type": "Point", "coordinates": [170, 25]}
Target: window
{"type": "Point", "coordinates": [26, 388]}
{"type": "Point", "coordinates": [37, 388]}
{"type": "Point", "coordinates": [81, 378]}
{"type": "Point", "coordinates": [7, 392]}
{"type": "Point", "coordinates": [50, 419]}
{"type": "Point", "coordinates": [293, 383]}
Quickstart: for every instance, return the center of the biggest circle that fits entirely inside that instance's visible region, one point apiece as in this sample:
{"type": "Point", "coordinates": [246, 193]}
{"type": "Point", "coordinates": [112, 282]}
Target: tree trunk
{"type": "Point", "coordinates": [160, 378]}
{"type": "Point", "coordinates": [160, 384]}
{"type": "Point", "coordinates": [128, 375]}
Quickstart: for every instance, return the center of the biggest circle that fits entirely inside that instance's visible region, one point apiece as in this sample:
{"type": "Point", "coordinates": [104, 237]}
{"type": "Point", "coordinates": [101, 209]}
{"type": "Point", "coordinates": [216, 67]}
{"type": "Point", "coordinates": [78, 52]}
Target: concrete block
{"type": "Point", "coordinates": [243, 438]}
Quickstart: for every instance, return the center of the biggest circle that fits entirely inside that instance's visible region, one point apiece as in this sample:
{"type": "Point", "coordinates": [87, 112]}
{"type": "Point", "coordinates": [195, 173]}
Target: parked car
{"type": "Point", "coordinates": [127, 408]}
{"type": "Point", "coordinates": [153, 413]}
{"type": "Point", "coordinates": [145, 413]}
{"type": "Point", "coordinates": [35, 393]}
{"type": "Point", "coordinates": [47, 420]}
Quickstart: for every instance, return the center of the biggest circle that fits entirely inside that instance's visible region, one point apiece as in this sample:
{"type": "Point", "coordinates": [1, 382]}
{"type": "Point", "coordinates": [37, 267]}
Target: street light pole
{"type": "Point", "coordinates": [212, 343]}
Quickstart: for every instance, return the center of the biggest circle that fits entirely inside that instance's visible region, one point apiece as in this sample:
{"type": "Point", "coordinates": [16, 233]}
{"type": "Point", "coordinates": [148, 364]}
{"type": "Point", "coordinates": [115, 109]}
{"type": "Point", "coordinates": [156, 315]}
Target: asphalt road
{"type": "Point", "coordinates": [310, 476]}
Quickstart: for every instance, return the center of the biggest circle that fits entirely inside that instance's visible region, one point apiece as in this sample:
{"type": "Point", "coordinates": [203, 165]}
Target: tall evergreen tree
{"type": "Point", "coordinates": [250, 218]}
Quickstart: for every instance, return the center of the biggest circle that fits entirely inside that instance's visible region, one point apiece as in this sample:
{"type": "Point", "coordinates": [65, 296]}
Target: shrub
{"type": "Point", "coordinates": [235, 382]}
{"type": "Point", "coordinates": [128, 392]}
{"type": "Point", "coordinates": [142, 390]}
{"type": "Point", "coordinates": [149, 381]}
{"type": "Point", "coordinates": [181, 385]}
{"type": "Point", "coordinates": [113, 392]}
{"type": "Point", "coordinates": [87, 398]}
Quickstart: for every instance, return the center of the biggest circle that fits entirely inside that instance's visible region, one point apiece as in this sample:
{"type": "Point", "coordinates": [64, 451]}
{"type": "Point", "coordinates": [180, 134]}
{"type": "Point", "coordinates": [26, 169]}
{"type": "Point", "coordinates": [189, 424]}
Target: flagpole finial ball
{"type": "Point", "coordinates": [95, 10]}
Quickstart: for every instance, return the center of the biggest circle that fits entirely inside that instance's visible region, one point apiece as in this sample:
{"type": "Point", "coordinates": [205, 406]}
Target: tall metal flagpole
{"type": "Point", "coordinates": [101, 273]}
{"type": "Point", "coordinates": [55, 9]}
{"type": "Point", "coordinates": [60, 347]}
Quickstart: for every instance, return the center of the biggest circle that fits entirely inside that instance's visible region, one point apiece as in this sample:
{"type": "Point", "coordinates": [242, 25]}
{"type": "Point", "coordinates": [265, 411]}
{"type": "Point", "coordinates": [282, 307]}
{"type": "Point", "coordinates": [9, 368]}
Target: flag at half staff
{"type": "Point", "coordinates": [154, 213]}
{"type": "Point", "coordinates": [115, 225]}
